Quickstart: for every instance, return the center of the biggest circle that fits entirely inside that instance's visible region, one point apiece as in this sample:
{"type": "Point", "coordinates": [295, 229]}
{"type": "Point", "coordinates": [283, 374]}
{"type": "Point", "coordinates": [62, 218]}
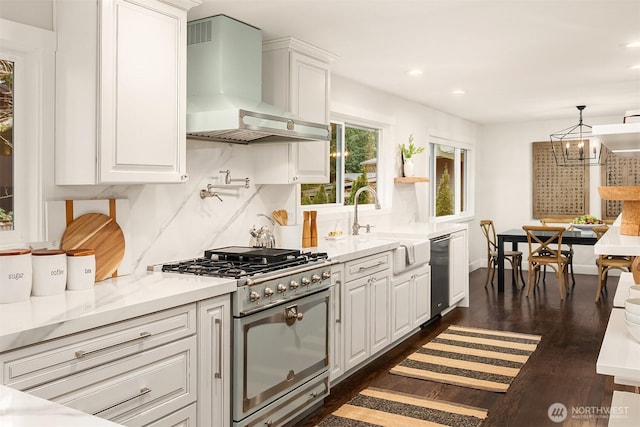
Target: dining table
{"type": "Point", "coordinates": [518, 235]}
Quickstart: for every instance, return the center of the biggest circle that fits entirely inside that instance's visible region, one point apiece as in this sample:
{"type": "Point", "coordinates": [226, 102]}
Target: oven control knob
{"type": "Point", "coordinates": [268, 292]}
{"type": "Point", "coordinates": [294, 284]}
{"type": "Point", "coordinates": [254, 296]}
{"type": "Point", "coordinates": [315, 278]}
{"type": "Point", "coordinates": [326, 275]}
{"type": "Point", "coordinates": [281, 288]}
{"type": "Point", "coordinates": [305, 281]}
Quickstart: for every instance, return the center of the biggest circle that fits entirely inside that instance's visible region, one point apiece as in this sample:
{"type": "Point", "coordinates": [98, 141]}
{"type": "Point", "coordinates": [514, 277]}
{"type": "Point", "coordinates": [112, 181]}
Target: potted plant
{"type": "Point", "coordinates": [407, 153]}
{"type": "Point", "coordinates": [6, 220]}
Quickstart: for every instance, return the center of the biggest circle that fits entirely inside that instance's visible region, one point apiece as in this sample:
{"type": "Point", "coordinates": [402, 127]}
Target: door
{"type": "Point", "coordinates": [380, 319]}
{"type": "Point", "coordinates": [278, 349]}
{"type": "Point", "coordinates": [356, 316]}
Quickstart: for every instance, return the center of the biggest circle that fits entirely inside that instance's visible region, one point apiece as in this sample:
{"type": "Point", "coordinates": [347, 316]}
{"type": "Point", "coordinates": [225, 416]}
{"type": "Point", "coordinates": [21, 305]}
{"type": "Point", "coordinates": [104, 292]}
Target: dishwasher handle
{"type": "Point", "coordinates": [441, 238]}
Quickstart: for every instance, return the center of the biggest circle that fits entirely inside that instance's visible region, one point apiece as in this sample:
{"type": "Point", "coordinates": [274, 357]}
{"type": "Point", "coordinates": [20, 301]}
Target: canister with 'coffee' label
{"type": "Point", "coordinates": [15, 275]}
{"type": "Point", "coordinates": [49, 272]}
{"type": "Point", "coordinates": [81, 265]}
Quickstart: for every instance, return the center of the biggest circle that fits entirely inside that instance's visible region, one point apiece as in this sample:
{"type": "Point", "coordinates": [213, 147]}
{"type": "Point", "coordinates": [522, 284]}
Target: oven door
{"type": "Point", "coordinates": [277, 350]}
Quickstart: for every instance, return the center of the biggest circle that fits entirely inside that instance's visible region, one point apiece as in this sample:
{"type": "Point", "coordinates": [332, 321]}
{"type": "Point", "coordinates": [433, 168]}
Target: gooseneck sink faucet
{"type": "Point", "coordinates": [355, 229]}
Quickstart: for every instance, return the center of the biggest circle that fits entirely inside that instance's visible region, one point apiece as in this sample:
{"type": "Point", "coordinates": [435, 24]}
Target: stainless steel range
{"type": "Point", "coordinates": [280, 329]}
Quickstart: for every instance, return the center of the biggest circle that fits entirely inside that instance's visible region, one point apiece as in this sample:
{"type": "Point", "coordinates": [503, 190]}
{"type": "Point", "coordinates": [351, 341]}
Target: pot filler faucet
{"type": "Point", "coordinates": [355, 229]}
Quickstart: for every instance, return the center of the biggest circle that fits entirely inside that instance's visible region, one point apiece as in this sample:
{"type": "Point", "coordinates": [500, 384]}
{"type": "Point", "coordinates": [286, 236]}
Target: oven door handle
{"type": "Point", "coordinates": [292, 314]}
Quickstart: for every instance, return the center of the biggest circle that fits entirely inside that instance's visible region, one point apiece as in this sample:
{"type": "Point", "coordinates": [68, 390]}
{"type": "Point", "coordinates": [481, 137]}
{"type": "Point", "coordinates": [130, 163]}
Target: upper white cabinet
{"type": "Point", "coordinates": [120, 91]}
{"type": "Point", "coordinates": [296, 78]}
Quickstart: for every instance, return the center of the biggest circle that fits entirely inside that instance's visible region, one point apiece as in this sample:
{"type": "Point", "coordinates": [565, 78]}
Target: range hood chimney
{"type": "Point", "coordinates": [224, 88]}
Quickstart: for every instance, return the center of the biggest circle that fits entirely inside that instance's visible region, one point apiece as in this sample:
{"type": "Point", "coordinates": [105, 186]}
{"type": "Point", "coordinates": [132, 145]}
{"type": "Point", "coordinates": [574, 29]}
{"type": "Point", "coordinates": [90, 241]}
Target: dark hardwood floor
{"type": "Point", "coordinates": [562, 369]}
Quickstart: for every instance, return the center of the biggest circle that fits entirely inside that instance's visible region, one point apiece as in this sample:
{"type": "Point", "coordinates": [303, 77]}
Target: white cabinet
{"type": "Point", "coordinates": [168, 368]}
{"type": "Point", "coordinates": [336, 315]}
{"type": "Point", "coordinates": [367, 310]}
{"type": "Point", "coordinates": [296, 78]}
{"type": "Point", "coordinates": [459, 269]}
{"type": "Point", "coordinates": [214, 364]}
{"type": "Point", "coordinates": [121, 91]}
{"type": "Point", "coordinates": [410, 301]}
{"type": "Point", "coordinates": [132, 372]}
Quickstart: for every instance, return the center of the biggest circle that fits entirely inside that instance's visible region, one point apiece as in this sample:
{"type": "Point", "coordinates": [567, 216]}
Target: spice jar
{"type": "Point", "coordinates": [81, 266]}
{"type": "Point", "coordinates": [15, 275]}
{"type": "Point", "coordinates": [49, 272]}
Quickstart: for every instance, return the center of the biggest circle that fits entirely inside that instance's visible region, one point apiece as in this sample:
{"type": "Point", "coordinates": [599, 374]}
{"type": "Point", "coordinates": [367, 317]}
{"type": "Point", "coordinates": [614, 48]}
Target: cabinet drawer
{"type": "Point", "coordinates": [30, 366]}
{"type": "Point", "coordinates": [135, 390]}
{"type": "Point", "coordinates": [368, 265]}
{"type": "Point", "coordinates": [185, 417]}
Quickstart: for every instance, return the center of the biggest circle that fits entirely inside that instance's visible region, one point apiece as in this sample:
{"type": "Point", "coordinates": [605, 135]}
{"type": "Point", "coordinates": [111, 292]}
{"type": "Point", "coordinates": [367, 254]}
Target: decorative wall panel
{"type": "Point", "coordinates": [558, 192]}
{"type": "Point", "coordinates": [619, 170]}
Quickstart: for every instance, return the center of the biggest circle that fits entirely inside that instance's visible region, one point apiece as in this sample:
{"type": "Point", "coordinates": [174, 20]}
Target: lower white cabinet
{"type": "Point", "coordinates": [459, 269]}
{"type": "Point", "coordinates": [168, 368]}
{"type": "Point", "coordinates": [366, 309]}
{"type": "Point", "coordinates": [214, 363]}
{"type": "Point", "coordinates": [336, 316]}
{"type": "Point", "coordinates": [410, 301]}
{"type": "Point", "coordinates": [133, 391]}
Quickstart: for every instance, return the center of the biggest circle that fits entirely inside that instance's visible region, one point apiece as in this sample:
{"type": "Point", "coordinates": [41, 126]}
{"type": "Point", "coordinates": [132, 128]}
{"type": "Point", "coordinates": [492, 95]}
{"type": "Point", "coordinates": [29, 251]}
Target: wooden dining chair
{"type": "Point", "coordinates": [608, 262]}
{"type": "Point", "coordinates": [567, 250]}
{"type": "Point", "coordinates": [544, 250]}
{"type": "Point", "coordinates": [514, 257]}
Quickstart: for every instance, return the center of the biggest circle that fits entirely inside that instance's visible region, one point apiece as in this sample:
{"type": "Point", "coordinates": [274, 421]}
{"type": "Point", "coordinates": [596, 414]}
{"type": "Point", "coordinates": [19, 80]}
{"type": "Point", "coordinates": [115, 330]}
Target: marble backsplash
{"type": "Point", "coordinates": [170, 221]}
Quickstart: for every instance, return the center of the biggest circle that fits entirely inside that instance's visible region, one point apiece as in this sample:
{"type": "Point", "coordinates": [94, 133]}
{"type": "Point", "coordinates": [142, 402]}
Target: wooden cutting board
{"type": "Point", "coordinates": [101, 233]}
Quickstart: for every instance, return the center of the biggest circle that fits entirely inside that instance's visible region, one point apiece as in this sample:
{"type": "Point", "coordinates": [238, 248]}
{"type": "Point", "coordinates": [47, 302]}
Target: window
{"type": "Point", "coordinates": [6, 144]}
{"type": "Point", "coordinates": [353, 164]}
{"type": "Point", "coordinates": [450, 172]}
{"type": "Point", "coordinates": [27, 85]}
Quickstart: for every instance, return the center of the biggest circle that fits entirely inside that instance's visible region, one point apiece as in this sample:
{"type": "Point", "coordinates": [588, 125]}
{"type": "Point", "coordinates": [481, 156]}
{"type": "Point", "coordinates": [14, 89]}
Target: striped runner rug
{"type": "Point", "coordinates": [471, 357]}
{"type": "Point", "coordinates": [377, 407]}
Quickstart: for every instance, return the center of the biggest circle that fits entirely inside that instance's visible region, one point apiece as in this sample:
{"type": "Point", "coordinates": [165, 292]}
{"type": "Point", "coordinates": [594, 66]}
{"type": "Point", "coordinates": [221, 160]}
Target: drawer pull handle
{"type": "Point", "coordinates": [143, 391]}
{"type": "Point", "coordinates": [81, 353]}
{"type": "Point", "coordinates": [218, 323]}
{"type": "Point", "coordinates": [372, 266]}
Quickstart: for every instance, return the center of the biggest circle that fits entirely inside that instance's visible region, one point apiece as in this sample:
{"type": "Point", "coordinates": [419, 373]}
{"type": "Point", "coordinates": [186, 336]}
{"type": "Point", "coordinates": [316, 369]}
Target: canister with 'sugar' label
{"type": "Point", "coordinates": [15, 275]}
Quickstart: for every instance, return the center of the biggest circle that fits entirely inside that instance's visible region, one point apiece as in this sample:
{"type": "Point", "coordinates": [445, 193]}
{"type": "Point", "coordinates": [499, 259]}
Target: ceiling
{"type": "Point", "coordinates": [517, 60]}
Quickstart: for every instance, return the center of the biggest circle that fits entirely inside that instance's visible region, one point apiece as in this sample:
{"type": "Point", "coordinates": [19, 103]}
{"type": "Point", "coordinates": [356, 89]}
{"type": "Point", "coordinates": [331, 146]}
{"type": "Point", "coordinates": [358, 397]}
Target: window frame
{"type": "Point", "coordinates": [33, 52]}
{"type": "Point", "coordinates": [469, 182]}
{"type": "Point", "coordinates": [383, 170]}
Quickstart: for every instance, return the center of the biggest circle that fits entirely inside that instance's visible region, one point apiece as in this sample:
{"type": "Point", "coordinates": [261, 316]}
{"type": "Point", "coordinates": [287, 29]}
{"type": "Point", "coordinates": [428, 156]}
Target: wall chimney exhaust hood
{"type": "Point", "coordinates": [224, 88]}
{"type": "Point", "coordinates": [622, 138]}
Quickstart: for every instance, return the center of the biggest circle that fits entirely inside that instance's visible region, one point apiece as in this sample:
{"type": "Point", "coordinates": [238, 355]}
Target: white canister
{"type": "Point", "coordinates": [15, 275]}
{"type": "Point", "coordinates": [81, 266]}
{"type": "Point", "coordinates": [49, 272]}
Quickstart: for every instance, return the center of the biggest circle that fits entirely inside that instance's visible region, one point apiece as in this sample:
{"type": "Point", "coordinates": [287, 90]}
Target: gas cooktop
{"type": "Point", "coordinates": [240, 262]}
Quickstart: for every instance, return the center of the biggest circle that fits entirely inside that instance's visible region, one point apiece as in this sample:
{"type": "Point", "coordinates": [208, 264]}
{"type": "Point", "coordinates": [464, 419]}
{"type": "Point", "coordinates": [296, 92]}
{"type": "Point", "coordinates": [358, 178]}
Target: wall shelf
{"type": "Point", "coordinates": [410, 179]}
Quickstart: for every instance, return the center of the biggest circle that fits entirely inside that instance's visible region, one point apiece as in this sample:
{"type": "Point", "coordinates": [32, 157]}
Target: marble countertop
{"type": "Point", "coordinates": [352, 247]}
{"type": "Point", "coordinates": [613, 243]}
{"type": "Point", "coordinates": [109, 301]}
{"type": "Point", "coordinates": [18, 409]}
{"type": "Point", "coordinates": [620, 352]}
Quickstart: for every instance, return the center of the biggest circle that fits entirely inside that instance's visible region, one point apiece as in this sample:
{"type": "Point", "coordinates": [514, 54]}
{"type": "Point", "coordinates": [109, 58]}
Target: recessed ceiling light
{"type": "Point", "coordinates": [633, 44]}
{"type": "Point", "coordinates": [415, 72]}
{"type": "Point", "coordinates": [458, 92]}
{"type": "Point", "coordinates": [635, 67]}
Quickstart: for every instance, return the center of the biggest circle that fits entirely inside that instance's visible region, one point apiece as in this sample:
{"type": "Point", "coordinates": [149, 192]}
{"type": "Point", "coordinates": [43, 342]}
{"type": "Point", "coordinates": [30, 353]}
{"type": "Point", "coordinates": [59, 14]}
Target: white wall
{"type": "Point", "coordinates": [504, 183]}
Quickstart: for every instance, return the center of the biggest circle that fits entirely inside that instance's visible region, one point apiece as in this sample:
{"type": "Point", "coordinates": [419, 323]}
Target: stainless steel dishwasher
{"type": "Point", "coordinates": [439, 274]}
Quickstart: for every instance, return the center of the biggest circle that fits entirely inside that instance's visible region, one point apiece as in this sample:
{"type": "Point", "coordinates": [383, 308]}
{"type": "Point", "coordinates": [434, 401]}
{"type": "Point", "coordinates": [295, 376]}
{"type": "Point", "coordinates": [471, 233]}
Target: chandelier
{"type": "Point", "coordinates": [570, 146]}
